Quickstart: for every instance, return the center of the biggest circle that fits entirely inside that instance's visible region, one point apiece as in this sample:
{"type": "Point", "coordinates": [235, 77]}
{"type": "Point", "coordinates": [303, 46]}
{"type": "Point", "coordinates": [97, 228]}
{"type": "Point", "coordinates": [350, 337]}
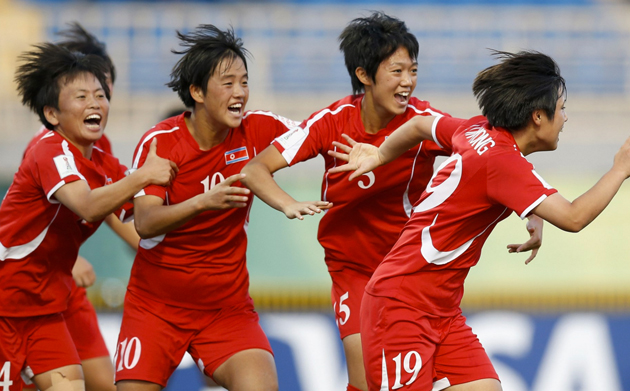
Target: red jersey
{"type": "Point", "coordinates": [484, 180]}
{"type": "Point", "coordinates": [39, 237]}
{"type": "Point", "coordinates": [368, 213]}
{"type": "Point", "coordinates": [202, 263]}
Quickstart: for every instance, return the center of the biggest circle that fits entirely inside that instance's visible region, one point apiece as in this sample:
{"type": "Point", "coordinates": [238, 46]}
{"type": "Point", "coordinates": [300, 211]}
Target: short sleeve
{"type": "Point", "coordinates": [55, 166]}
{"type": "Point", "coordinates": [443, 130]}
{"type": "Point", "coordinates": [140, 156]}
{"type": "Point", "coordinates": [513, 182]}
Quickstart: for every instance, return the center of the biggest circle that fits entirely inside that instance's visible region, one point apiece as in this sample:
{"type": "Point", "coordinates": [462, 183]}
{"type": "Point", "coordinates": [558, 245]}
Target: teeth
{"type": "Point", "coordinates": [93, 116]}
{"type": "Point", "coordinates": [405, 94]}
{"type": "Point", "coordinates": [236, 106]}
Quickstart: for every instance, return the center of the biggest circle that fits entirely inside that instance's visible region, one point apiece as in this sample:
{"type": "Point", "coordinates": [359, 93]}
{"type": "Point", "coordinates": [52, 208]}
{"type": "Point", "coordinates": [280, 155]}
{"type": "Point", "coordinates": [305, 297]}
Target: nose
{"type": "Point", "coordinates": [239, 91]}
{"type": "Point", "coordinates": [93, 102]}
{"type": "Point", "coordinates": [566, 117]}
{"type": "Point", "coordinates": [407, 80]}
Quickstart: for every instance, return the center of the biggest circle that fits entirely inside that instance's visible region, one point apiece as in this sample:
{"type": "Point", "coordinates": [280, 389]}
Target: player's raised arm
{"type": "Point", "coordinates": [259, 180]}
{"type": "Point", "coordinates": [96, 204]}
{"type": "Point", "coordinates": [363, 158]}
{"type": "Point", "coordinates": [574, 216]}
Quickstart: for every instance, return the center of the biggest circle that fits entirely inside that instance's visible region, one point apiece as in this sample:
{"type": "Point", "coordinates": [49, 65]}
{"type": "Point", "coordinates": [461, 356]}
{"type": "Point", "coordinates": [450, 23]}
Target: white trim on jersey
{"type": "Point", "coordinates": [21, 251]}
{"type": "Point", "coordinates": [136, 158]}
{"type": "Point", "coordinates": [291, 150]}
{"type": "Point", "coordinates": [437, 257]}
{"type": "Point", "coordinates": [407, 205]}
{"type": "Point", "coordinates": [433, 129]}
{"type": "Point", "coordinates": [49, 134]}
{"type": "Point", "coordinates": [53, 190]}
{"type": "Point", "coordinates": [532, 206]}
{"type": "Point", "coordinates": [149, 243]}
{"type": "Point", "coordinates": [419, 111]}
{"type": "Point", "coordinates": [289, 123]}
{"type": "Point", "coordinates": [441, 384]}
{"type": "Point", "coordinates": [384, 378]}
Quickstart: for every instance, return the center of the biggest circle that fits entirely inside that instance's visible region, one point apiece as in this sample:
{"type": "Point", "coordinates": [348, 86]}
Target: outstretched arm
{"type": "Point", "coordinates": [259, 180]}
{"type": "Point", "coordinates": [126, 231]}
{"type": "Point", "coordinates": [363, 158]}
{"type": "Point", "coordinates": [574, 216]}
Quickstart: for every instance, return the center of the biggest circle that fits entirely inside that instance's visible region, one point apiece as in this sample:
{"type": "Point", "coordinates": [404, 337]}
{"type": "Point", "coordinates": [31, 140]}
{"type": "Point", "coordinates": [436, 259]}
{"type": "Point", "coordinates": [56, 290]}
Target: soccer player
{"type": "Point", "coordinates": [62, 191]}
{"type": "Point", "coordinates": [80, 316]}
{"type": "Point", "coordinates": [188, 289]}
{"type": "Point", "coordinates": [380, 55]}
{"type": "Point", "coordinates": [413, 332]}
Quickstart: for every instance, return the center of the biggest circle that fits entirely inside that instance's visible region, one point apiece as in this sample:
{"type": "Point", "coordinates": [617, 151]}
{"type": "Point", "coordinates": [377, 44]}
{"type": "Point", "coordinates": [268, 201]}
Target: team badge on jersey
{"type": "Point", "coordinates": [65, 165]}
{"type": "Point", "coordinates": [236, 155]}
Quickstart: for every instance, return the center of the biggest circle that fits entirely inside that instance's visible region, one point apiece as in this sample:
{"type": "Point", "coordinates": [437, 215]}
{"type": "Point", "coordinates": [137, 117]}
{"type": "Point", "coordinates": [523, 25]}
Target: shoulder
{"type": "Point", "coordinates": [167, 129]}
{"type": "Point", "coordinates": [254, 117]}
{"type": "Point", "coordinates": [423, 107]}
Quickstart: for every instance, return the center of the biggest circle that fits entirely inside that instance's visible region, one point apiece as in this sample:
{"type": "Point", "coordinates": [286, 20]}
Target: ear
{"type": "Point", "coordinates": [537, 117]}
{"type": "Point", "coordinates": [196, 93]}
{"type": "Point", "coordinates": [363, 76]}
{"type": "Point", "coordinates": [51, 115]}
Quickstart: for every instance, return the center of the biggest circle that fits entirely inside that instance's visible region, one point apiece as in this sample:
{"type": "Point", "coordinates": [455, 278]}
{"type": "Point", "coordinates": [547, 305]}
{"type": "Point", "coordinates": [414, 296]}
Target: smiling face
{"type": "Point", "coordinates": [83, 110]}
{"type": "Point", "coordinates": [394, 82]}
{"type": "Point", "coordinates": [226, 95]}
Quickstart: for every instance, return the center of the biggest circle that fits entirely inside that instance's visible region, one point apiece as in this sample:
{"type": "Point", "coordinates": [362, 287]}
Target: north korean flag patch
{"type": "Point", "coordinates": [236, 155]}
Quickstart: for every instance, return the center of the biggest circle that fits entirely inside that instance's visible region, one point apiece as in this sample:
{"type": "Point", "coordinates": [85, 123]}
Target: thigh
{"type": "Point", "coordinates": [460, 358]}
{"type": "Point", "coordinates": [49, 345]}
{"type": "Point", "coordinates": [150, 344]}
{"type": "Point", "coordinates": [347, 291]}
{"type": "Point", "coordinates": [248, 370]}
{"type": "Point", "coordinates": [98, 373]}
{"type": "Point", "coordinates": [234, 330]}
{"type": "Point", "coordinates": [399, 343]}
{"type": "Point", "coordinates": [64, 378]}
{"type": "Point", "coordinates": [82, 323]}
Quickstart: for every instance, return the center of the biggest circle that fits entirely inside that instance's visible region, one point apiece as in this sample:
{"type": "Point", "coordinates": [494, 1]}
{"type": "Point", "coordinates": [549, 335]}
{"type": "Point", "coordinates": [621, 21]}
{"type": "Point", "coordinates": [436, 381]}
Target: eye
{"type": "Point", "coordinates": [81, 96]}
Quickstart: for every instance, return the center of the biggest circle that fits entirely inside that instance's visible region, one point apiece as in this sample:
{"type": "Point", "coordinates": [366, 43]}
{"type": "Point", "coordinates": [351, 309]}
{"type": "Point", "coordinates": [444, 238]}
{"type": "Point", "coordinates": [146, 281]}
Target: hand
{"type": "Point", "coordinates": [158, 171]}
{"type": "Point", "coordinates": [300, 209]}
{"type": "Point", "coordinates": [535, 228]}
{"type": "Point", "coordinates": [622, 158]}
{"type": "Point", "coordinates": [361, 157]}
{"type": "Point", "coordinates": [83, 273]}
{"type": "Point", "coordinates": [224, 195]}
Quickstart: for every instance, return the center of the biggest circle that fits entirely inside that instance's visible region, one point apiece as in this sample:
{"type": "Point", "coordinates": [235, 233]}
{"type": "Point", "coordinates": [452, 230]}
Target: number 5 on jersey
{"type": "Point", "coordinates": [343, 309]}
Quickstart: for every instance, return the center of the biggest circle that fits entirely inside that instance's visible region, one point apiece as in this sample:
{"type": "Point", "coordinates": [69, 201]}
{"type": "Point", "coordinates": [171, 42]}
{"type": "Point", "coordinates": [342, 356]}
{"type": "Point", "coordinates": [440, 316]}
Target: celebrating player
{"type": "Point", "coordinates": [189, 283]}
{"type": "Point", "coordinates": [62, 191]}
{"type": "Point", "coordinates": [80, 315]}
{"type": "Point", "coordinates": [380, 55]}
{"type": "Point", "coordinates": [413, 332]}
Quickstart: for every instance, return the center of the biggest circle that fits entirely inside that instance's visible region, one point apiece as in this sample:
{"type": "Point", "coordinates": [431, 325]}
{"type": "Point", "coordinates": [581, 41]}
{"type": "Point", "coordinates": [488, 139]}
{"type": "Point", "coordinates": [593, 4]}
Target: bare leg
{"type": "Point", "coordinates": [249, 370]}
{"type": "Point", "coordinates": [72, 373]}
{"type": "Point", "coordinates": [99, 374]}
{"type": "Point", "coordinates": [478, 385]}
{"type": "Point", "coordinates": [354, 361]}
{"type": "Point", "coordinates": [137, 385]}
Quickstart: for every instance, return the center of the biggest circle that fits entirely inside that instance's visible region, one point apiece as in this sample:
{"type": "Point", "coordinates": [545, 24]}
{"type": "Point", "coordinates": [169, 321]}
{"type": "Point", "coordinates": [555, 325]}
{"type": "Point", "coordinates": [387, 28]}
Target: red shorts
{"type": "Point", "coordinates": [36, 345]}
{"type": "Point", "coordinates": [154, 337]}
{"type": "Point", "coordinates": [420, 351]}
{"type": "Point", "coordinates": [347, 291]}
{"type": "Point", "coordinates": [82, 323]}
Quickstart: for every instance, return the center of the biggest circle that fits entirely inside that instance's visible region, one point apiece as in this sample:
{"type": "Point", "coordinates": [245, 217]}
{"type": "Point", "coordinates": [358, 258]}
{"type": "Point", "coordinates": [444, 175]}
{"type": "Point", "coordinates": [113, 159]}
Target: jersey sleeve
{"type": "Point", "coordinates": [55, 166]}
{"type": "Point", "coordinates": [513, 182]}
{"type": "Point", "coordinates": [140, 156]}
{"type": "Point", "coordinates": [266, 126]}
{"type": "Point", "coordinates": [309, 139]}
{"type": "Point", "coordinates": [444, 128]}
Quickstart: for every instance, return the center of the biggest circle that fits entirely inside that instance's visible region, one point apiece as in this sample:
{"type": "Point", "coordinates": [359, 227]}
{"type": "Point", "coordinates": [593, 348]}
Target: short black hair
{"type": "Point", "coordinates": [509, 92]}
{"type": "Point", "coordinates": [44, 68]}
{"type": "Point", "coordinates": [205, 48]}
{"type": "Point", "coordinates": [79, 40]}
{"type": "Point", "coordinates": [367, 42]}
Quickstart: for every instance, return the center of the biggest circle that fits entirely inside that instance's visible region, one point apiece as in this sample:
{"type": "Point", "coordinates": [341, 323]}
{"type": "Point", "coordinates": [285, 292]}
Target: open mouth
{"type": "Point", "coordinates": [93, 121]}
{"type": "Point", "coordinates": [402, 97]}
{"type": "Point", "coordinates": [236, 108]}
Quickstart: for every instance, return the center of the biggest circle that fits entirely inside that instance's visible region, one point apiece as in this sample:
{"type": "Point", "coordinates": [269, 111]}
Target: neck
{"type": "Point", "coordinates": [526, 140]}
{"type": "Point", "coordinates": [86, 150]}
{"type": "Point", "coordinates": [205, 134]}
{"type": "Point", "coordinates": [374, 118]}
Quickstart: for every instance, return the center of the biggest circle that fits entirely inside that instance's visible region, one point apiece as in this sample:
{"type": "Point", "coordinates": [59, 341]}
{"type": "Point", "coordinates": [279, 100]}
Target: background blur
{"type": "Point", "coordinates": [560, 323]}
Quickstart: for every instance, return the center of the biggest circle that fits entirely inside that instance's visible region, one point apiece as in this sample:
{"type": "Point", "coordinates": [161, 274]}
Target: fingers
{"type": "Point", "coordinates": [153, 147]}
{"type": "Point", "coordinates": [532, 256]}
{"type": "Point", "coordinates": [174, 166]}
{"type": "Point", "coordinates": [343, 147]}
{"type": "Point", "coordinates": [348, 139]}
{"type": "Point", "coordinates": [233, 179]}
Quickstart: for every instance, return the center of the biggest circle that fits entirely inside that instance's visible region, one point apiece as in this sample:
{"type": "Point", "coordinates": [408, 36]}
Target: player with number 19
{"type": "Point", "coordinates": [413, 332]}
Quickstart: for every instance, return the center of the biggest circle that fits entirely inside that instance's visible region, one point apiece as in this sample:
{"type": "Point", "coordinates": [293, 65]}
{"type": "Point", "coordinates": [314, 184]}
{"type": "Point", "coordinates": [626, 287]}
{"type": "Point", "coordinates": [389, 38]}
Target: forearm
{"type": "Point", "coordinates": [260, 181]}
{"type": "Point", "coordinates": [160, 219]}
{"type": "Point", "coordinates": [126, 231]}
{"type": "Point", "coordinates": [408, 135]}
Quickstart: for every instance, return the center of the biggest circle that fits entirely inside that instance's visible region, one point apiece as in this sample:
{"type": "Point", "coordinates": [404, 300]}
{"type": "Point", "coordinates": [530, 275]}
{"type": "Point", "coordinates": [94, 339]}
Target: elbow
{"type": "Point", "coordinates": [143, 229]}
{"type": "Point", "coordinates": [92, 217]}
{"type": "Point", "coordinates": [250, 172]}
{"type": "Point", "coordinates": [575, 225]}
